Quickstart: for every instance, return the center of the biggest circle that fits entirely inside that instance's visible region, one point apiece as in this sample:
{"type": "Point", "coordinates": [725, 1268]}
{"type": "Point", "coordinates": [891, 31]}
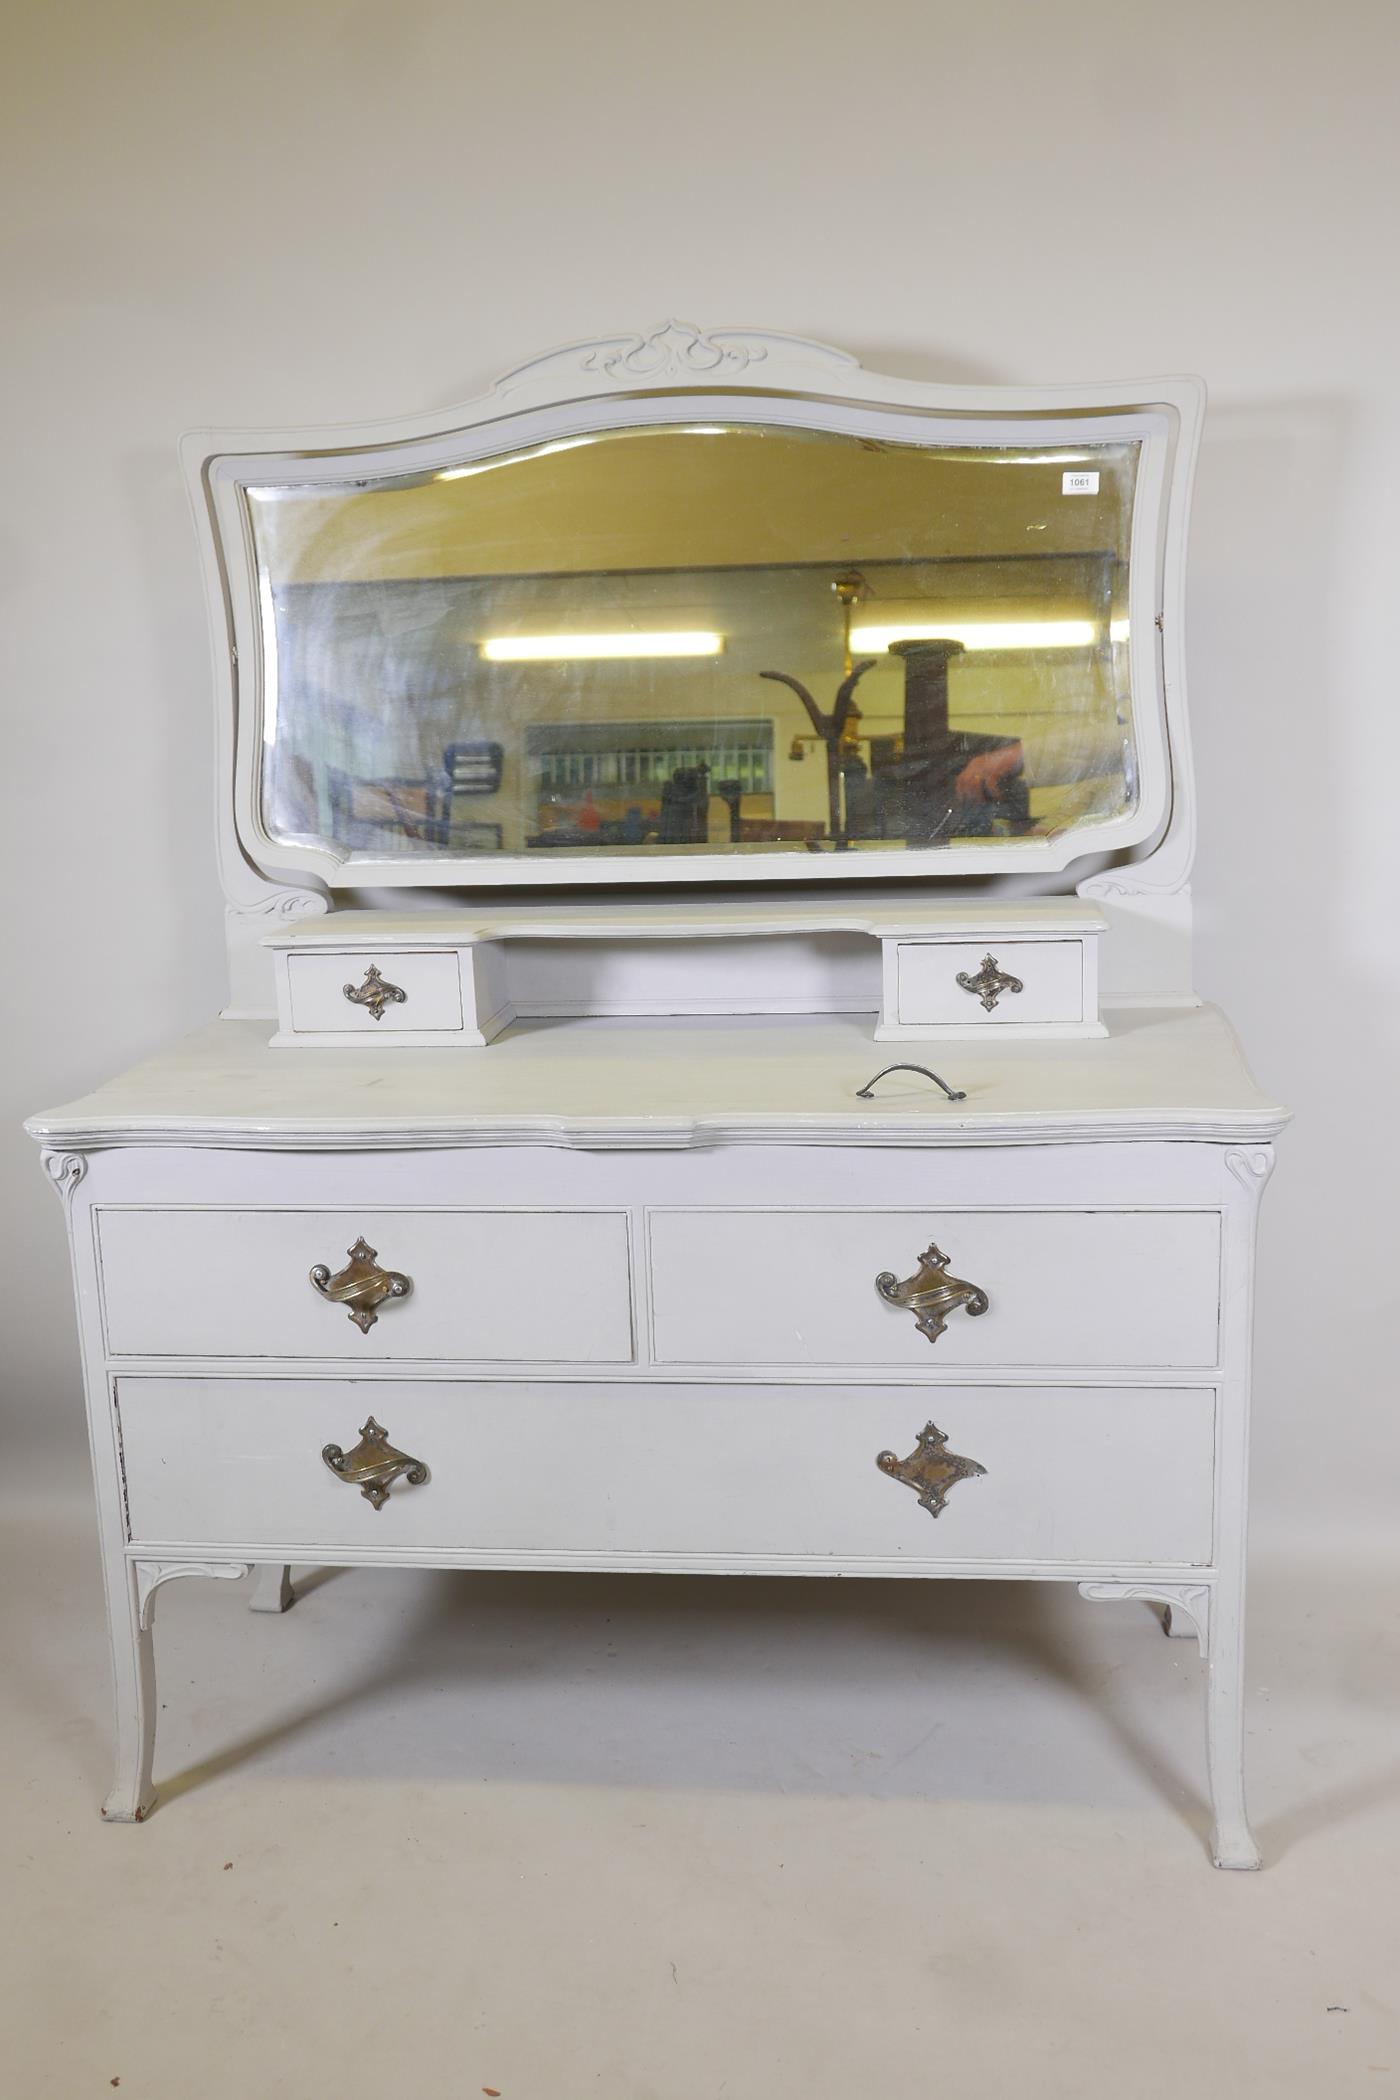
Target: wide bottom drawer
{"type": "Point", "coordinates": [1069, 1474]}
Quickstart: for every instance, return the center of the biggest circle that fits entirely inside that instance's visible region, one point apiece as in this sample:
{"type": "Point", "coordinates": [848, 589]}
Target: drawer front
{"type": "Point", "coordinates": [430, 983]}
{"type": "Point", "coordinates": [1050, 973]}
{"type": "Point", "coordinates": [1071, 1475]}
{"type": "Point", "coordinates": [492, 1285]}
{"type": "Point", "coordinates": [1102, 1288]}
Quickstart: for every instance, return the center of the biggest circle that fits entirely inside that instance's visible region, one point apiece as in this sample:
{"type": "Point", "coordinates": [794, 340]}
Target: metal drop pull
{"type": "Point", "coordinates": [931, 1293]}
{"type": "Point", "coordinates": [990, 982]}
{"type": "Point", "coordinates": [931, 1469]}
{"type": "Point", "coordinates": [374, 1465]}
{"type": "Point", "coordinates": [375, 993]}
{"type": "Point", "coordinates": [361, 1286]}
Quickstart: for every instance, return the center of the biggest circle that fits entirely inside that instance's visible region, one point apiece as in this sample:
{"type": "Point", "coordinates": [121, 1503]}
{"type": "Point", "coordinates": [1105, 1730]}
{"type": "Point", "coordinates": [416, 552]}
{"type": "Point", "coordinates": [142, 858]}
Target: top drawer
{"type": "Point", "coordinates": [972, 985]}
{"type": "Point", "coordinates": [502, 1286]}
{"type": "Point", "coordinates": [1112, 1287]}
{"type": "Point", "coordinates": [394, 994]}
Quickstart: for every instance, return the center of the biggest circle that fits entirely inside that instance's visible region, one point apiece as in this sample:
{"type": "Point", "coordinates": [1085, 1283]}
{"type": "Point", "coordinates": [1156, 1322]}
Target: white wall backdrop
{"type": "Point", "coordinates": [309, 210]}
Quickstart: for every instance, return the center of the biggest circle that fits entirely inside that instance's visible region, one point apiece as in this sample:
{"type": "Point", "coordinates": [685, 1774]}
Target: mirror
{"type": "Point", "coordinates": [729, 638]}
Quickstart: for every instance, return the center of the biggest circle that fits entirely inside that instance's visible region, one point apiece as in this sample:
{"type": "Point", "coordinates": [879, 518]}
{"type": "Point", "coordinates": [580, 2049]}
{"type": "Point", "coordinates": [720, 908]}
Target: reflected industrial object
{"type": "Point", "coordinates": [521, 641]}
{"type": "Point", "coordinates": [842, 749]}
{"type": "Point", "coordinates": [989, 982]}
{"type": "Point", "coordinates": [374, 1465]}
{"type": "Point", "coordinates": [931, 1293]}
{"type": "Point", "coordinates": [375, 993]}
{"type": "Point", "coordinates": [946, 780]}
{"type": "Point", "coordinates": [361, 1286]}
{"type": "Point", "coordinates": [931, 1469]}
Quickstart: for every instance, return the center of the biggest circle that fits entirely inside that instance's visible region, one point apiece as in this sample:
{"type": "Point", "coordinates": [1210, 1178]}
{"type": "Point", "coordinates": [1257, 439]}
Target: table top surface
{"type": "Point", "coordinates": [662, 1082]}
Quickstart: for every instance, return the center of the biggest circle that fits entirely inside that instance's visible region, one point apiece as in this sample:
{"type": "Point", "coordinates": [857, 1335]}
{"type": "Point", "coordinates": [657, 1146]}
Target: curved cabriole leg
{"type": "Point", "coordinates": [133, 1669]}
{"type": "Point", "coordinates": [1215, 1617]}
{"type": "Point", "coordinates": [272, 1588]}
{"type": "Point", "coordinates": [134, 1690]}
{"type": "Point", "coordinates": [1232, 1841]}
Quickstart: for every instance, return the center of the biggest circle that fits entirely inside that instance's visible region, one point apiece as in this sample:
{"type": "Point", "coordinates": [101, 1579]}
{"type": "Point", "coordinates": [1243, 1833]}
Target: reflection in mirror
{"type": "Point", "coordinates": [734, 639]}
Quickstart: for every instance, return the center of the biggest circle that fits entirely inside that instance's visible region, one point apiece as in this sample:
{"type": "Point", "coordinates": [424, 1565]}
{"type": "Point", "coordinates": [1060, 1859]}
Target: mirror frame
{"type": "Point", "coordinates": [676, 373]}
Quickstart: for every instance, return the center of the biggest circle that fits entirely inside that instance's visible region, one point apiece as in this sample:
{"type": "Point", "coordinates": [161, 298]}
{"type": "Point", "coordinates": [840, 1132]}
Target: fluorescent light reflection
{"type": "Point", "coordinates": [540, 648]}
{"type": "Point", "coordinates": [981, 634]}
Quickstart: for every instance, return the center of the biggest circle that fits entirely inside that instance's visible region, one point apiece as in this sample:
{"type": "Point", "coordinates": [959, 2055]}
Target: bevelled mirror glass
{"type": "Point", "coordinates": [729, 638]}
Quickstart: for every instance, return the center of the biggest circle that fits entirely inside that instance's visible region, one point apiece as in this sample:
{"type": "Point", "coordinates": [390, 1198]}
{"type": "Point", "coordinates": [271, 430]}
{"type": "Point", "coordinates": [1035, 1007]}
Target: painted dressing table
{"type": "Point", "coordinates": [615, 777]}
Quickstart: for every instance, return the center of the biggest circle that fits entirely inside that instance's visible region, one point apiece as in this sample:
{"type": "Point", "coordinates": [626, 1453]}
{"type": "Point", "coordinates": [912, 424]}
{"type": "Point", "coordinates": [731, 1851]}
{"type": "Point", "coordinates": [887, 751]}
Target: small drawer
{"type": "Point", "coordinates": [393, 994]}
{"type": "Point", "coordinates": [1101, 1288]}
{"type": "Point", "coordinates": [1060, 1476]}
{"type": "Point", "coordinates": [982, 985]}
{"type": "Point", "coordinates": [504, 1286]}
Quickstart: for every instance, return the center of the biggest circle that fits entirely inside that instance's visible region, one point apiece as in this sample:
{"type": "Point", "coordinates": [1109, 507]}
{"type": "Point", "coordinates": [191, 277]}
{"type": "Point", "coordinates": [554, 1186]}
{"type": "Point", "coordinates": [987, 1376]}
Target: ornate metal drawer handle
{"type": "Point", "coordinates": [361, 1285]}
{"type": "Point", "coordinates": [374, 1465]}
{"type": "Point", "coordinates": [931, 1469]}
{"type": "Point", "coordinates": [931, 1293]}
{"type": "Point", "coordinates": [376, 993]}
{"type": "Point", "coordinates": [990, 982]}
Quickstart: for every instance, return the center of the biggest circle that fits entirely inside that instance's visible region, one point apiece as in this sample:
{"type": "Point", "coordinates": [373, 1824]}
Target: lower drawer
{"type": "Point", "coordinates": [1071, 1474]}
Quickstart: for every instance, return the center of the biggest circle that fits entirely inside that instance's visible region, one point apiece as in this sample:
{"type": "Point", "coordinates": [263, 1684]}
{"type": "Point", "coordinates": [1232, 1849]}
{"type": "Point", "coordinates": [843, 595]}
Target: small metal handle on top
{"type": "Point", "coordinates": [866, 1092]}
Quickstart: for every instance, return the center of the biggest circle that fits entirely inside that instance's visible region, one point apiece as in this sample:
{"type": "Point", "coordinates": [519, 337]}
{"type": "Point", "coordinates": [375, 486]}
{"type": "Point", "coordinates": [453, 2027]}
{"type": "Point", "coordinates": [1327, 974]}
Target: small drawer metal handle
{"type": "Point", "coordinates": [931, 1293]}
{"type": "Point", "coordinates": [931, 1469]}
{"type": "Point", "coordinates": [374, 1465]}
{"type": "Point", "coordinates": [375, 993]}
{"type": "Point", "coordinates": [990, 982]}
{"type": "Point", "coordinates": [361, 1286]}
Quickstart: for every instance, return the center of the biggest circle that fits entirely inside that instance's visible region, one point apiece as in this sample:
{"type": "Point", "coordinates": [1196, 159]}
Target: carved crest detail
{"type": "Point", "coordinates": [675, 349]}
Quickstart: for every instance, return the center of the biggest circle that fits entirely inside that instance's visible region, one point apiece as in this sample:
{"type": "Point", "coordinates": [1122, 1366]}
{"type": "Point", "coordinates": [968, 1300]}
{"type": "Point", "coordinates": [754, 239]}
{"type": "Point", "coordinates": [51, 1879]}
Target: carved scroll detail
{"type": "Point", "coordinates": [65, 1170]}
{"type": "Point", "coordinates": [1251, 1166]}
{"type": "Point", "coordinates": [675, 349]}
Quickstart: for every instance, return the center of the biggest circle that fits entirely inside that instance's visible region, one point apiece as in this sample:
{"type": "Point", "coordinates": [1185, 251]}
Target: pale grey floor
{"type": "Point", "coordinates": [678, 1839]}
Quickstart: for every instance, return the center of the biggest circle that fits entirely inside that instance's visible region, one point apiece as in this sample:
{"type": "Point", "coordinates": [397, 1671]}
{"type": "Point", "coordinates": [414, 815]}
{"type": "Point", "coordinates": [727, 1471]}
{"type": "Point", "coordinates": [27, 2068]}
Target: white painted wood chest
{"type": "Point", "coordinates": [592, 1228]}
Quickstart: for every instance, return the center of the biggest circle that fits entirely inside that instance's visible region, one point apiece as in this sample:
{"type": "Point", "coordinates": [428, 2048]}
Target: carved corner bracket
{"type": "Point", "coordinates": [1191, 1599]}
{"type": "Point", "coordinates": [150, 1574]}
